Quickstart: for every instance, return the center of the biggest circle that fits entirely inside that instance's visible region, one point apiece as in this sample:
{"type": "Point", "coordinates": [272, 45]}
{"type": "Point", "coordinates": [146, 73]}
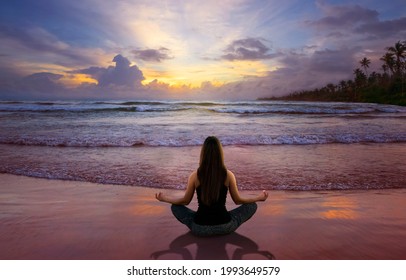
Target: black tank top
{"type": "Point", "coordinates": [214, 214]}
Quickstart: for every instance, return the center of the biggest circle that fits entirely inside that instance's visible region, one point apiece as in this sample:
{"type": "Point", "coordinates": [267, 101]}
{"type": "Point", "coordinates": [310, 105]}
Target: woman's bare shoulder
{"type": "Point", "coordinates": [194, 178]}
{"type": "Point", "coordinates": [230, 174]}
{"type": "Point", "coordinates": [230, 177]}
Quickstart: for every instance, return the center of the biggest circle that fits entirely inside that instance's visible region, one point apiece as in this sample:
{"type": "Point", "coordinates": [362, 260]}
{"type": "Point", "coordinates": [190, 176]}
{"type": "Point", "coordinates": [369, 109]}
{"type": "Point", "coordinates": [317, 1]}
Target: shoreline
{"type": "Point", "coordinates": [178, 189]}
{"type": "Point", "coordinates": [286, 98]}
{"type": "Point", "coordinates": [54, 219]}
{"type": "Point", "coordinates": [291, 167]}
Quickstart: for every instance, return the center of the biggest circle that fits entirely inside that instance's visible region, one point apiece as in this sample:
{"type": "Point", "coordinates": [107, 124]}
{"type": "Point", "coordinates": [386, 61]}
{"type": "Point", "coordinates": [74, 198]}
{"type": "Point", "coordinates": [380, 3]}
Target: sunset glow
{"type": "Point", "coordinates": [242, 49]}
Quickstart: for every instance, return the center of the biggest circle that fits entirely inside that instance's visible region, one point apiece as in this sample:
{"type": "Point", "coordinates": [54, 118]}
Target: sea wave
{"type": "Point", "coordinates": [339, 110]}
{"type": "Point", "coordinates": [239, 108]}
{"type": "Point", "coordinates": [128, 182]}
{"type": "Point", "coordinates": [346, 138]}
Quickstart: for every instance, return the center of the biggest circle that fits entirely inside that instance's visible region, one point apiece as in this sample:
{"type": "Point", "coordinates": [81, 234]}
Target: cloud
{"type": "Point", "coordinates": [153, 55]}
{"type": "Point", "coordinates": [42, 85]}
{"type": "Point", "coordinates": [123, 74]}
{"type": "Point", "coordinates": [247, 49]}
{"type": "Point", "coordinates": [120, 81]}
{"type": "Point", "coordinates": [42, 82]}
{"type": "Point", "coordinates": [334, 61]}
{"type": "Point", "coordinates": [298, 70]}
{"type": "Point", "coordinates": [42, 77]}
{"type": "Point", "coordinates": [384, 29]}
{"type": "Point", "coordinates": [31, 37]}
{"type": "Point", "coordinates": [34, 41]}
{"type": "Point", "coordinates": [343, 21]}
{"type": "Point", "coordinates": [343, 16]}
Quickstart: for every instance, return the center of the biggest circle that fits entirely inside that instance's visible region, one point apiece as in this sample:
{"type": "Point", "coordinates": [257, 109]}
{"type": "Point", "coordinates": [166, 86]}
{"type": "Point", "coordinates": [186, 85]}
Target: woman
{"type": "Point", "coordinates": [211, 182]}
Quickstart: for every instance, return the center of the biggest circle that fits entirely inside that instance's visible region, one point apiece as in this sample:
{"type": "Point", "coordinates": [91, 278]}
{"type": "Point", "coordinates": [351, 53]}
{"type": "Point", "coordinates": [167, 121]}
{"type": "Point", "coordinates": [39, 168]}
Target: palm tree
{"type": "Point", "coordinates": [384, 68]}
{"type": "Point", "coordinates": [404, 60]}
{"type": "Point", "coordinates": [365, 64]}
{"type": "Point", "coordinates": [385, 79]}
{"type": "Point", "coordinates": [360, 78]}
{"type": "Point", "coordinates": [389, 61]}
{"type": "Point", "coordinates": [373, 78]}
{"type": "Point", "coordinates": [359, 81]}
{"type": "Point", "coordinates": [359, 75]}
{"type": "Point", "coordinates": [343, 85]}
{"type": "Point", "coordinates": [398, 51]}
{"type": "Point", "coordinates": [350, 84]}
{"type": "Point", "coordinates": [330, 87]}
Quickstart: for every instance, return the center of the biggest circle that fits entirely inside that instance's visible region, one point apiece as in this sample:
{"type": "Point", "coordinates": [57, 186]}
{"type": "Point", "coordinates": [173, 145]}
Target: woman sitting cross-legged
{"type": "Point", "coordinates": [211, 182]}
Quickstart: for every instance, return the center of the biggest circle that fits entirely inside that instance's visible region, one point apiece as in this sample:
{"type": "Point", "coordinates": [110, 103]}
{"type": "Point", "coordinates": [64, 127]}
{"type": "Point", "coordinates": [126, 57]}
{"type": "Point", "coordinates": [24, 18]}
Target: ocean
{"type": "Point", "coordinates": [273, 145]}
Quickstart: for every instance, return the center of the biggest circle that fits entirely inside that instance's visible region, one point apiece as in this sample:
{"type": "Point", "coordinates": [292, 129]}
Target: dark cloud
{"type": "Point", "coordinates": [43, 85]}
{"type": "Point", "coordinates": [384, 29]}
{"type": "Point", "coordinates": [339, 61]}
{"type": "Point", "coordinates": [334, 61]}
{"type": "Point", "coordinates": [43, 81]}
{"type": "Point", "coordinates": [344, 16]}
{"type": "Point", "coordinates": [318, 68]}
{"type": "Point", "coordinates": [120, 75]}
{"type": "Point", "coordinates": [8, 77]}
{"type": "Point", "coordinates": [154, 55]}
{"type": "Point", "coordinates": [247, 49]}
{"type": "Point", "coordinates": [34, 39]}
{"type": "Point", "coordinates": [342, 21]}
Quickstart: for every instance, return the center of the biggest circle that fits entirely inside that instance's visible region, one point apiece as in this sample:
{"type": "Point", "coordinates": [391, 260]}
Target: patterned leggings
{"type": "Point", "coordinates": [238, 215]}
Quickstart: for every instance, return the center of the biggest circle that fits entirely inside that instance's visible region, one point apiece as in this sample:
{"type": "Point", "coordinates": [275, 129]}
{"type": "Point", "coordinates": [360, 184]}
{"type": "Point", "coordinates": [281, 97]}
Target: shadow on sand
{"type": "Point", "coordinates": [212, 248]}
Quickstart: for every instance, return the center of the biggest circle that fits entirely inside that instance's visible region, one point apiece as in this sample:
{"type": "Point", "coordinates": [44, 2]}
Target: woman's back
{"type": "Point", "coordinates": [214, 214]}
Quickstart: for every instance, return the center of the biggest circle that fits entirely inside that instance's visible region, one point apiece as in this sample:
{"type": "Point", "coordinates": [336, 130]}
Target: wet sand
{"type": "Point", "coordinates": [52, 219]}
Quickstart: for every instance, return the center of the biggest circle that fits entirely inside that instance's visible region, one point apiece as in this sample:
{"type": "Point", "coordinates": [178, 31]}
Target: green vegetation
{"type": "Point", "coordinates": [388, 87]}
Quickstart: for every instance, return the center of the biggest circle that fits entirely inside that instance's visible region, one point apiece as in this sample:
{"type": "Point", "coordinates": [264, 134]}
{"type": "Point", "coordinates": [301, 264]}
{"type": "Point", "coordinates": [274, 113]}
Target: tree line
{"type": "Point", "coordinates": [387, 86]}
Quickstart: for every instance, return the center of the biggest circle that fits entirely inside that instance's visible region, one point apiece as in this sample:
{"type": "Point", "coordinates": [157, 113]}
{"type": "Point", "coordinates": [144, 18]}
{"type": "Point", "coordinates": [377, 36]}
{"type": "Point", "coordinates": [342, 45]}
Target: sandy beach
{"type": "Point", "coordinates": [52, 219]}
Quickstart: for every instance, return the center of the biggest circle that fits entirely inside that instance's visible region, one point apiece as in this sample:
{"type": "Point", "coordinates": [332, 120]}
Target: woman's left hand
{"type": "Point", "coordinates": [263, 196]}
{"type": "Point", "coordinates": [159, 196]}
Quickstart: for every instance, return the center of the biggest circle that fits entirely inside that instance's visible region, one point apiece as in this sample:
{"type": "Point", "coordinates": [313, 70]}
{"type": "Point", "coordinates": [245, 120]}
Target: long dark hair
{"type": "Point", "coordinates": [212, 172]}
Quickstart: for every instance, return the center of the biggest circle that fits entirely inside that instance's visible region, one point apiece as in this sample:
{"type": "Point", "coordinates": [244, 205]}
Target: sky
{"type": "Point", "coordinates": [227, 50]}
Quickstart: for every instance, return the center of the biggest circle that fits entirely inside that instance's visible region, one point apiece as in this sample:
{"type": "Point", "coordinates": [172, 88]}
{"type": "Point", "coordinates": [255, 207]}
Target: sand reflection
{"type": "Point", "coordinates": [145, 209]}
{"type": "Point", "coordinates": [339, 207]}
{"type": "Point", "coordinates": [233, 246]}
